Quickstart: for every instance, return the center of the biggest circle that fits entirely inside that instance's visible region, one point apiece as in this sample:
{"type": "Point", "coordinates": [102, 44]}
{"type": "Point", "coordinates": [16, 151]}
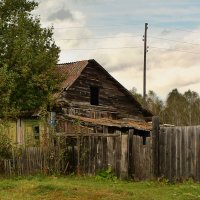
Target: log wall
{"type": "Point", "coordinates": [113, 101]}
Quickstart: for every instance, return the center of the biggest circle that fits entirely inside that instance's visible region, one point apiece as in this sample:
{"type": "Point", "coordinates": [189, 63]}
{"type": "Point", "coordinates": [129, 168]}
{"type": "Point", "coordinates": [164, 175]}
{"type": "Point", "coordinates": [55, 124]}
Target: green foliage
{"type": "Point", "coordinates": [137, 96]}
{"type": "Point", "coordinates": [5, 145]}
{"type": "Point", "coordinates": [178, 109]}
{"type": "Point", "coordinates": [28, 56]}
{"type": "Point", "coordinates": [106, 174]}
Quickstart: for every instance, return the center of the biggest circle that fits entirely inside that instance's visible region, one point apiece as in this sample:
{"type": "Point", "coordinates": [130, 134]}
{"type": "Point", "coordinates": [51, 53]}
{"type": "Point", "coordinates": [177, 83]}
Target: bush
{"type": "Point", "coordinates": [5, 146]}
{"type": "Point", "coordinates": [106, 174]}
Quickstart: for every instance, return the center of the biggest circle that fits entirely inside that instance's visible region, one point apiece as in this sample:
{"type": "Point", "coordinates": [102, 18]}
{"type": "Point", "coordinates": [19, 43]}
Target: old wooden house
{"type": "Point", "coordinates": [92, 101]}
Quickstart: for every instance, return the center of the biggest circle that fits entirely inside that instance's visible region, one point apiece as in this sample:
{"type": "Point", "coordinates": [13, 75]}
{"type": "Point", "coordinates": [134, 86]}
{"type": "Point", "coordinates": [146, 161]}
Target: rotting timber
{"type": "Point", "coordinates": [94, 101]}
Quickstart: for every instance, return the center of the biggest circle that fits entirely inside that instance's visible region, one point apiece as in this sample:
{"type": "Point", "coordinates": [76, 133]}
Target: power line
{"type": "Point", "coordinates": [178, 50]}
{"type": "Point", "coordinates": [80, 27]}
{"type": "Point", "coordinates": [97, 38]}
{"type": "Point", "coordinates": [99, 26]}
{"type": "Point", "coordinates": [174, 40]}
{"type": "Point", "coordinates": [102, 48]}
{"type": "Point", "coordinates": [131, 47]}
{"type": "Point", "coordinates": [184, 30]}
{"type": "Point", "coordinates": [128, 36]}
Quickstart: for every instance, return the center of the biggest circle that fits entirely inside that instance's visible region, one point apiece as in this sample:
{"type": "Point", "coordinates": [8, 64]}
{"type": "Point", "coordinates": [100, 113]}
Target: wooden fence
{"type": "Point", "coordinates": [171, 152]}
{"type": "Point", "coordinates": [125, 153]}
{"type": "Point", "coordinates": [179, 152]}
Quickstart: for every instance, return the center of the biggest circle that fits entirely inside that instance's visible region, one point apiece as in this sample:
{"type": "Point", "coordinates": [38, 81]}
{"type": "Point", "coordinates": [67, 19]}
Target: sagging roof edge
{"type": "Point", "coordinates": [142, 126]}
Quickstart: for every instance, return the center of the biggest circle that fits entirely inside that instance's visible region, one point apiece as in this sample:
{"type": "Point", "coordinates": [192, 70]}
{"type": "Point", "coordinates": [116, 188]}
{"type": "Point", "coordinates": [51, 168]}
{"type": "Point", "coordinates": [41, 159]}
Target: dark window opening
{"type": "Point", "coordinates": [36, 132]}
{"type": "Point", "coordinates": [144, 140]}
{"type": "Point", "coordinates": [94, 95]}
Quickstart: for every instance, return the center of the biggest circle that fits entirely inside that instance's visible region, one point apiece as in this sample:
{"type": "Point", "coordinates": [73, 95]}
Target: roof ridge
{"type": "Point", "coordinates": [68, 63]}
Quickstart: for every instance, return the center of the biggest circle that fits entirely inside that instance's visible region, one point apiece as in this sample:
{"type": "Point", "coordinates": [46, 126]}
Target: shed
{"type": "Point", "coordinates": [92, 101]}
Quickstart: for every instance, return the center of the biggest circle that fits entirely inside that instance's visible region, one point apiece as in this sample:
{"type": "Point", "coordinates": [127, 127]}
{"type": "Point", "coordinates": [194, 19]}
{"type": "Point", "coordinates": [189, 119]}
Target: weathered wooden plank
{"type": "Point", "coordinates": [124, 157]}
{"type": "Point", "coordinates": [195, 153]}
{"type": "Point", "coordinates": [168, 154]}
{"type": "Point", "coordinates": [118, 155]}
{"type": "Point", "coordinates": [198, 153]}
{"type": "Point", "coordinates": [178, 153]}
{"type": "Point", "coordinates": [162, 153]}
{"type": "Point", "coordinates": [173, 154]}
{"type": "Point", "coordinates": [155, 137]}
{"type": "Point", "coordinates": [130, 156]}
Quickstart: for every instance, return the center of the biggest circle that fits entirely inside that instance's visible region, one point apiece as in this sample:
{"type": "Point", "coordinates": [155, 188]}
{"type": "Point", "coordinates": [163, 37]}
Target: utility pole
{"type": "Point", "coordinates": [145, 61]}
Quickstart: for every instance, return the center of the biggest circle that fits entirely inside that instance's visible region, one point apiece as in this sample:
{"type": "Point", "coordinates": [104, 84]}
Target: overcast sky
{"type": "Point", "coordinates": [111, 31]}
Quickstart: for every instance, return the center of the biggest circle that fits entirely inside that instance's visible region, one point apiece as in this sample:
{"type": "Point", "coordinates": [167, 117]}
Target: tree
{"type": "Point", "coordinates": [176, 108]}
{"type": "Point", "coordinates": [192, 107]}
{"type": "Point", "coordinates": [137, 96]}
{"type": "Point", "coordinates": [154, 103]}
{"type": "Point", "coordinates": [28, 56]}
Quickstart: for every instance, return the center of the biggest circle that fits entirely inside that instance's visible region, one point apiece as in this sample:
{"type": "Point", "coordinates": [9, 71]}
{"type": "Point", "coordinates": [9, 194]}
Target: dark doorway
{"type": "Point", "coordinates": [94, 95]}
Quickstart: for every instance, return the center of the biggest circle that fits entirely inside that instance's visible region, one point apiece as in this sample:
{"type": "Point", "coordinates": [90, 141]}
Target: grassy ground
{"type": "Point", "coordinates": [71, 188]}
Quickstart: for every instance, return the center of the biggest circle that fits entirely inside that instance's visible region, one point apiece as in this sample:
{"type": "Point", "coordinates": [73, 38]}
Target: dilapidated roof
{"type": "Point", "coordinates": [122, 123]}
{"type": "Point", "coordinates": [71, 71]}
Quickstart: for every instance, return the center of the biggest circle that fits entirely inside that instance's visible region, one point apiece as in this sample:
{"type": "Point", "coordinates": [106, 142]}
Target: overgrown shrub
{"type": "Point", "coordinates": [5, 146]}
{"type": "Point", "coordinates": [106, 174]}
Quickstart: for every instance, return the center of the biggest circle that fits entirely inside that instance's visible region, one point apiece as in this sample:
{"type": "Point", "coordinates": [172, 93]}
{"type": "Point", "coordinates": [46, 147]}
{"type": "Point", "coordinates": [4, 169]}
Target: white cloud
{"type": "Point", "coordinates": [166, 69]}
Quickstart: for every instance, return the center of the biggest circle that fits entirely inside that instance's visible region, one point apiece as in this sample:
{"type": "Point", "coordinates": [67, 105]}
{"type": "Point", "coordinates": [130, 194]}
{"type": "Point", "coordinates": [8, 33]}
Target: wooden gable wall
{"type": "Point", "coordinates": [112, 98]}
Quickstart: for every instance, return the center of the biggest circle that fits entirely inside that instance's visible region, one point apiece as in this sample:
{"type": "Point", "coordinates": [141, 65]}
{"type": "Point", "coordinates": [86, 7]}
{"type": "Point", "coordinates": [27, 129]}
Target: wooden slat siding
{"type": "Point", "coordinates": [148, 166]}
{"type": "Point", "coordinates": [89, 154]}
{"type": "Point", "coordinates": [118, 155]}
{"type": "Point", "coordinates": [114, 154]}
{"type": "Point", "coordinates": [134, 155]}
{"type": "Point", "coordinates": [98, 153]}
{"type": "Point", "coordinates": [168, 153]}
{"type": "Point", "coordinates": [124, 157]}
{"type": "Point", "coordinates": [161, 147]}
{"type": "Point", "coordinates": [193, 167]}
{"type": "Point", "coordinates": [195, 154]}
{"type": "Point", "coordinates": [110, 151]}
{"type": "Point", "coordinates": [183, 155]}
{"type": "Point", "coordinates": [165, 152]}
{"type": "Point", "coordinates": [186, 152]}
{"type": "Point", "coordinates": [155, 137]}
{"type": "Point", "coordinates": [198, 154]}
{"type": "Point", "coordinates": [138, 172]}
{"type": "Point", "coordinates": [190, 152]}
{"type": "Point", "coordinates": [93, 152]}
{"type": "Point", "coordinates": [147, 157]}
{"type": "Point", "coordinates": [151, 155]}
{"type": "Point", "coordinates": [173, 154]}
{"type": "Point", "coordinates": [105, 149]}
{"type": "Point", "coordinates": [130, 156]}
{"type": "Point", "coordinates": [178, 154]}
{"type": "Point", "coordinates": [102, 154]}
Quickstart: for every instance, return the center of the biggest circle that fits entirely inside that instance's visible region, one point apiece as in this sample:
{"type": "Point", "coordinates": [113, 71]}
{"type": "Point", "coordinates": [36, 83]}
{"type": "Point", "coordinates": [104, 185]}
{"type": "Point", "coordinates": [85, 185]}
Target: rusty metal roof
{"type": "Point", "coordinates": [122, 123]}
{"type": "Point", "coordinates": [71, 71]}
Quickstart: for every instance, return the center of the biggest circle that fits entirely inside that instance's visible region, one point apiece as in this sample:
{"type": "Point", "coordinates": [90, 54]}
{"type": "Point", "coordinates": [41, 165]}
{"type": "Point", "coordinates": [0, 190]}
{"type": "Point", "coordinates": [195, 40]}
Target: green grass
{"type": "Point", "coordinates": [89, 188]}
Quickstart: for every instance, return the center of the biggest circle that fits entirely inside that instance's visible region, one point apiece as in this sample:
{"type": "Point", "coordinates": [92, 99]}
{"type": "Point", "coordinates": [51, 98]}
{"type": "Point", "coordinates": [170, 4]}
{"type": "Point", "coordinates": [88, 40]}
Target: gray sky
{"type": "Point", "coordinates": [100, 29]}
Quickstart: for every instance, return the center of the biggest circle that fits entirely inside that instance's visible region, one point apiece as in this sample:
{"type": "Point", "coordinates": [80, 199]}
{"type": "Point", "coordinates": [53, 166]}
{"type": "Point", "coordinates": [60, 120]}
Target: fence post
{"type": "Point", "coordinates": [155, 144]}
